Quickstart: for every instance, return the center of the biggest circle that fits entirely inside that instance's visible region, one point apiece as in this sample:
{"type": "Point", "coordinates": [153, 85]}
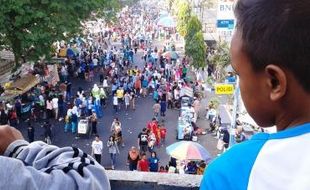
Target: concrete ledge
{"type": "Point", "coordinates": [148, 180]}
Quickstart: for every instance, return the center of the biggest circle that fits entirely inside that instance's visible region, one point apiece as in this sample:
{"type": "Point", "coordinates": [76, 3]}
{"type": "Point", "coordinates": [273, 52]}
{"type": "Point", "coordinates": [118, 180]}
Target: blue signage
{"type": "Point", "coordinates": [229, 24]}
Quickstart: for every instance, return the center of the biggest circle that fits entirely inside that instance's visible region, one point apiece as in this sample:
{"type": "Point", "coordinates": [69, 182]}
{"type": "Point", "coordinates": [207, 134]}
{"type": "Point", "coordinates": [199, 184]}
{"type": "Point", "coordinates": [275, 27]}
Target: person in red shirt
{"type": "Point", "coordinates": [143, 164]}
{"type": "Point", "coordinates": [153, 126]}
{"type": "Point", "coordinates": [163, 133]}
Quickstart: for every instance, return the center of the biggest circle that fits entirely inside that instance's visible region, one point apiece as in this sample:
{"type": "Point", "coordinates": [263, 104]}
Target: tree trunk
{"type": "Point", "coordinates": [16, 60]}
{"type": "Point", "coordinates": [16, 48]}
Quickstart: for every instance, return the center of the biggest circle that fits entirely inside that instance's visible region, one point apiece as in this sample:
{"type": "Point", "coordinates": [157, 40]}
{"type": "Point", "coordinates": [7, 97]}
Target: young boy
{"type": "Point", "coordinates": [271, 55]}
{"type": "Point", "coordinates": [143, 164]}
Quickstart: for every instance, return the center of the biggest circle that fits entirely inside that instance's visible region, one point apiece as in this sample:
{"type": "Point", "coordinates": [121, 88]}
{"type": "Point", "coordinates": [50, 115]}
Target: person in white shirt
{"type": "Point", "coordinates": [115, 103]}
{"type": "Point", "coordinates": [55, 106]}
{"type": "Point", "coordinates": [95, 61]}
{"type": "Point", "coordinates": [105, 84]}
{"type": "Point", "coordinates": [49, 108]}
{"type": "Point", "coordinates": [127, 100]}
{"type": "Point", "coordinates": [97, 148]}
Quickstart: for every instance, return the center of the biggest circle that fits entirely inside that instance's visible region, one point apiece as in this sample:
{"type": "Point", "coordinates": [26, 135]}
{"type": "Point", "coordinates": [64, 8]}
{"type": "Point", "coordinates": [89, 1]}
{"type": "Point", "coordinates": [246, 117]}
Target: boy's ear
{"type": "Point", "coordinates": [276, 81]}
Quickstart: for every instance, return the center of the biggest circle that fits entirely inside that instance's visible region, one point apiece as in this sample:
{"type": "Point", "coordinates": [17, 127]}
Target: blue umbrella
{"type": "Point", "coordinates": [167, 22]}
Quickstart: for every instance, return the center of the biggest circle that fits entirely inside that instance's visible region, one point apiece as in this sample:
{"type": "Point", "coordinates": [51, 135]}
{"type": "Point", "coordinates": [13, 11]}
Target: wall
{"type": "Point", "coordinates": [128, 180]}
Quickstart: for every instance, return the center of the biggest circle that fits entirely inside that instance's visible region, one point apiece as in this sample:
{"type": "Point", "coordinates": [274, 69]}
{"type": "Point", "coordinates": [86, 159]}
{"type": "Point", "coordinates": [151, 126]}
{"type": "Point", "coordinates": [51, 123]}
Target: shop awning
{"type": "Point", "coordinates": [25, 83]}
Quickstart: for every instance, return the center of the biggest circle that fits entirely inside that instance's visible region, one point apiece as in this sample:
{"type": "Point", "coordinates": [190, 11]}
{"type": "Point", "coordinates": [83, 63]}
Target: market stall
{"type": "Point", "coordinates": [19, 87]}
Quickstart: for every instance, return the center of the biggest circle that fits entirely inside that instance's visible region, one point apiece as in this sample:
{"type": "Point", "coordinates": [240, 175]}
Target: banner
{"type": "Point", "coordinates": [225, 19]}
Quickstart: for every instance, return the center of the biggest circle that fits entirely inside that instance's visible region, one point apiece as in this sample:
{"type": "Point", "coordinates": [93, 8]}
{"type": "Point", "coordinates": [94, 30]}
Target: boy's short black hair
{"type": "Point", "coordinates": [276, 32]}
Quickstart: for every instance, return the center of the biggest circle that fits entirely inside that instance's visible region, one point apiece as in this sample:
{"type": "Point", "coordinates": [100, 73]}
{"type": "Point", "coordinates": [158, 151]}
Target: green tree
{"type": "Point", "coordinates": [220, 59]}
{"type": "Point", "coordinates": [196, 50]}
{"type": "Point", "coordinates": [110, 9]}
{"type": "Point", "coordinates": [183, 16]}
{"type": "Point", "coordinates": [29, 27]}
{"type": "Point", "coordinates": [192, 27]}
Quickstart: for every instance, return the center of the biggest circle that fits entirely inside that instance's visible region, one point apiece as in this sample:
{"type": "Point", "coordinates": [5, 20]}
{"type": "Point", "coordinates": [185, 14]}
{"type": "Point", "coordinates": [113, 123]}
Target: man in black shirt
{"type": "Point", "coordinates": [143, 140]}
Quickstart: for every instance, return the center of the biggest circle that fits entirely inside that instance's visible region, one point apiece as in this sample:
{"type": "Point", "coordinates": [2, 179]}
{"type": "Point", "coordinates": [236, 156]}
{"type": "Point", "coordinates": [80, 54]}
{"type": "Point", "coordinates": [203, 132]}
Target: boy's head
{"type": "Point", "coordinates": [276, 32]}
{"type": "Point", "coordinates": [270, 53]}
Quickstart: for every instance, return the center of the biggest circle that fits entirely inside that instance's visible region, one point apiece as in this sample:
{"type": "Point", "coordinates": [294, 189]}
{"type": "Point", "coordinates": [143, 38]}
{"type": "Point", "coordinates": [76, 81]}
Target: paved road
{"type": "Point", "coordinates": [132, 124]}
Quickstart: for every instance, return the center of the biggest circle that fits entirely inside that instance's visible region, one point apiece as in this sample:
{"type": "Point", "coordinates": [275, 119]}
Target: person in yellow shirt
{"type": "Point", "coordinates": [120, 96]}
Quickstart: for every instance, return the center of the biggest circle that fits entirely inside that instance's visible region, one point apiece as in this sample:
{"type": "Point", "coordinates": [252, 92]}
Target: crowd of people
{"type": "Point", "coordinates": [276, 61]}
{"type": "Point", "coordinates": [140, 161]}
{"type": "Point", "coordinates": [116, 80]}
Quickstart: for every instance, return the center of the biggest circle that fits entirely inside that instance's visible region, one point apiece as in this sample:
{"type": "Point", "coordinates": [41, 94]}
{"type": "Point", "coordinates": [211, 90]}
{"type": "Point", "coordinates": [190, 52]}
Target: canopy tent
{"type": "Point", "coordinates": [25, 83]}
{"type": "Point", "coordinates": [20, 86]}
{"type": "Point", "coordinates": [163, 13]}
{"type": "Point", "coordinates": [167, 22]}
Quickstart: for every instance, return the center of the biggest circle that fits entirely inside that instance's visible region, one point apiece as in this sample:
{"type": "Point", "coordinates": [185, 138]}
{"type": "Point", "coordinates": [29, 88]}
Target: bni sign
{"type": "Point", "coordinates": [225, 19]}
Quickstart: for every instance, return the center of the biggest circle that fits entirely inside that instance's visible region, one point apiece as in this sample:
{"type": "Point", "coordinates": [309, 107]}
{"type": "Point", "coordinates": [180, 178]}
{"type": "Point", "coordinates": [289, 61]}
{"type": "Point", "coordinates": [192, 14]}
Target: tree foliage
{"type": "Point", "coordinates": [110, 9]}
{"type": "Point", "coordinates": [221, 55]}
{"type": "Point", "coordinates": [194, 43]}
{"type": "Point", "coordinates": [192, 27]}
{"type": "Point", "coordinates": [183, 16]}
{"type": "Point", "coordinates": [29, 27]}
{"type": "Point", "coordinates": [196, 49]}
{"type": "Point", "coordinates": [220, 58]}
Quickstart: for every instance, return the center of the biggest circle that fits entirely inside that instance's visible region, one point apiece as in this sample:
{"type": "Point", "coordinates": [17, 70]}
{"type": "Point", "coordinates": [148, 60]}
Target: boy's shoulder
{"type": "Point", "coordinates": [232, 169]}
{"type": "Point", "coordinates": [245, 164]}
